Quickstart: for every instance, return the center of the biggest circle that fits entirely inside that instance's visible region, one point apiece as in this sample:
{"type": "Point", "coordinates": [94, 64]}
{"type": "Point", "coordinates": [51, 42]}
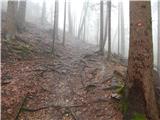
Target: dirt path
{"type": "Point", "coordinates": [70, 87]}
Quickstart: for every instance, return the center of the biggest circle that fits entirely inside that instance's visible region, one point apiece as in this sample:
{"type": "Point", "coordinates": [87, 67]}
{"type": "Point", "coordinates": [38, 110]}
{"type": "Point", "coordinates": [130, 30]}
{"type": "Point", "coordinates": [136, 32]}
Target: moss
{"type": "Point", "coordinates": [120, 90]}
{"type": "Point", "coordinates": [138, 116]}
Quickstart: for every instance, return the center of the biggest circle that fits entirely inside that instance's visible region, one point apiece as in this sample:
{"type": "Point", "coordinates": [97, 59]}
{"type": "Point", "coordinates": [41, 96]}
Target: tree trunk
{"type": "Point", "coordinates": [55, 27]}
{"type": "Point", "coordinates": [122, 30]}
{"type": "Point", "coordinates": [101, 27]}
{"type": "Point", "coordinates": [119, 26]}
{"type": "Point", "coordinates": [109, 30]}
{"type": "Point", "coordinates": [139, 85]}
{"type": "Point", "coordinates": [11, 27]}
{"type": "Point", "coordinates": [64, 27]}
{"type": "Point", "coordinates": [106, 26]}
{"type": "Point", "coordinates": [83, 19]}
{"type": "Point", "coordinates": [43, 17]}
{"type": "Point", "coordinates": [21, 16]}
{"type": "Point", "coordinates": [158, 55]}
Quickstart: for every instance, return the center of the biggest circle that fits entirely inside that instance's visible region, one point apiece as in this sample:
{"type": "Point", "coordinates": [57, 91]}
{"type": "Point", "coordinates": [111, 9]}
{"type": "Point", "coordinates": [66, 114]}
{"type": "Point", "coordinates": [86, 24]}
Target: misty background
{"type": "Point", "coordinates": [34, 11]}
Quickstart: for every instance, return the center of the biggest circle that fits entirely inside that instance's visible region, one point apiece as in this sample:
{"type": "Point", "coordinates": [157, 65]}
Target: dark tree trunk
{"type": "Point", "coordinates": [109, 30]}
{"type": "Point", "coordinates": [55, 27]}
{"type": "Point", "coordinates": [101, 27]}
{"type": "Point", "coordinates": [139, 85]}
{"type": "Point", "coordinates": [64, 28]}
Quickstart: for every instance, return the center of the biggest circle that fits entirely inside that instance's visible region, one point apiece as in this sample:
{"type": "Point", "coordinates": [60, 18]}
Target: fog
{"type": "Point", "coordinates": [34, 8]}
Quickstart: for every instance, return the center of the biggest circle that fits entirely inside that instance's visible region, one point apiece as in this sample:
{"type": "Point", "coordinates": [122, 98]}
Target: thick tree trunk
{"type": "Point", "coordinates": [121, 29]}
{"type": "Point", "coordinates": [106, 25]}
{"type": "Point", "coordinates": [11, 27]}
{"type": "Point", "coordinates": [109, 31]}
{"type": "Point", "coordinates": [158, 55]}
{"type": "Point", "coordinates": [101, 27]}
{"type": "Point", "coordinates": [55, 27]}
{"type": "Point", "coordinates": [21, 16]}
{"type": "Point", "coordinates": [139, 84]}
{"type": "Point", "coordinates": [64, 27]}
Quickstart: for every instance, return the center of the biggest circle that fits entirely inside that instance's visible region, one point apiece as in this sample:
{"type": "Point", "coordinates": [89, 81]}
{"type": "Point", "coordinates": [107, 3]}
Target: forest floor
{"type": "Point", "coordinates": [74, 85]}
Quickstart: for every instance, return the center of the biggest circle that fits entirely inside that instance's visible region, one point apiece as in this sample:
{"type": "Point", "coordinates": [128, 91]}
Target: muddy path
{"type": "Point", "coordinates": [69, 87]}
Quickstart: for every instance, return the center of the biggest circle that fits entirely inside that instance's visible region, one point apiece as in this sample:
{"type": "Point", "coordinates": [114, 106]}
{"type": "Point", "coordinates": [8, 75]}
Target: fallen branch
{"type": "Point", "coordinates": [21, 106]}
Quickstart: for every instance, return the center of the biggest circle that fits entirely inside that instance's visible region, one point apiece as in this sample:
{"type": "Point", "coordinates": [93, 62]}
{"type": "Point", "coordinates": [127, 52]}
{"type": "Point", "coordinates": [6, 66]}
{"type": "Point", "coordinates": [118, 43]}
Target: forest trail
{"type": "Point", "coordinates": [72, 86]}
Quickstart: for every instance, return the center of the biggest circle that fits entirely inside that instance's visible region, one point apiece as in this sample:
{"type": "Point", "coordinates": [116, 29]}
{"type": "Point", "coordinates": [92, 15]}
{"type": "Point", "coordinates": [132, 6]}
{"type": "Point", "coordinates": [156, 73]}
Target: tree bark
{"type": "Point", "coordinates": [21, 16]}
{"type": "Point", "coordinates": [64, 27]}
{"type": "Point", "coordinates": [139, 85]}
{"type": "Point", "coordinates": [11, 27]}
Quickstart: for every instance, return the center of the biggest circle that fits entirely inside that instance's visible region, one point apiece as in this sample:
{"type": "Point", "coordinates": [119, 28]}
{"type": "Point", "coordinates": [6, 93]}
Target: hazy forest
{"type": "Point", "coordinates": [80, 59]}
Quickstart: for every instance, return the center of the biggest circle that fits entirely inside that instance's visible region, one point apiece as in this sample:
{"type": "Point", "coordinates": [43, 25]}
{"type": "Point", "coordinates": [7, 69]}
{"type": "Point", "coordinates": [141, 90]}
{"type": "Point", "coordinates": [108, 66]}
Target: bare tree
{"type": "Point", "coordinates": [101, 27]}
{"type": "Point", "coordinates": [83, 19]}
{"type": "Point", "coordinates": [106, 25]}
{"type": "Point", "coordinates": [55, 27]}
{"type": "Point", "coordinates": [11, 27]}
{"type": "Point", "coordinates": [43, 16]}
{"type": "Point", "coordinates": [109, 30]}
{"type": "Point", "coordinates": [158, 55]}
{"type": "Point", "coordinates": [140, 90]}
{"type": "Point", "coordinates": [119, 26]}
{"type": "Point", "coordinates": [122, 30]}
{"type": "Point", "coordinates": [21, 15]}
{"type": "Point", "coordinates": [64, 26]}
